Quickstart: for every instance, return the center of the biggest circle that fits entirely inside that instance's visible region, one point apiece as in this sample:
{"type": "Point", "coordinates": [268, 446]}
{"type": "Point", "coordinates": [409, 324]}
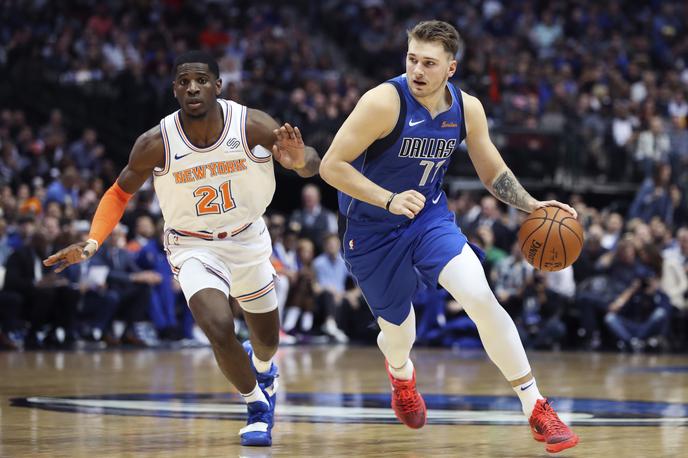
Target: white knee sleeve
{"type": "Point", "coordinates": [465, 280]}
{"type": "Point", "coordinates": [396, 341]}
{"type": "Point", "coordinates": [194, 276]}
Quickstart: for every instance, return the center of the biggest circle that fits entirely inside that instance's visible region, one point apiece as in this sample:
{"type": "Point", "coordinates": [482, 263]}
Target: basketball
{"type": "Point", "coordinates": [550, 239]}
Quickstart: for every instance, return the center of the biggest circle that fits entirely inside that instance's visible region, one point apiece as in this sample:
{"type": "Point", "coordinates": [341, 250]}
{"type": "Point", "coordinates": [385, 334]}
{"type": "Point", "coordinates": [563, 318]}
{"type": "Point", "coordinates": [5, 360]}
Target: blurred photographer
{"type": "Point", "coordinates": [639, 317]}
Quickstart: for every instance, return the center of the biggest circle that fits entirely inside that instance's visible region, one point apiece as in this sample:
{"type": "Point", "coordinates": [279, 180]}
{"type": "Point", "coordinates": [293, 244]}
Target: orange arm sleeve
{"type": "Point", "coordinates": [109, 212]}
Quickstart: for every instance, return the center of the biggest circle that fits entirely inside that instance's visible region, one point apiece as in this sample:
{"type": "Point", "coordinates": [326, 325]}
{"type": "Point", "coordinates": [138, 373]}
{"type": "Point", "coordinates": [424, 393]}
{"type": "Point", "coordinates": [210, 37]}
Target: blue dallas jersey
{"type": "Point", "coordinates": [415, 155]}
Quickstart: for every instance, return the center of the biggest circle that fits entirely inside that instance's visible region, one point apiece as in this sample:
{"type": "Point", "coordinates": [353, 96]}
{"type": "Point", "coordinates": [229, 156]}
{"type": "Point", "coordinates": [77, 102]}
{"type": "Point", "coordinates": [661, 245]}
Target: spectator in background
{"type": "Point", "coordinates": [313, 220]}
{"type": "Point", "coordinates": [10, 302]}
{"type": "Point", "coordinates": [653, 147]}
{"type": "Point", "coordinates": [49, 298]}
{"type": "Point", "coordinates": [5, 248]}
{"type": "Point", "coordinates": [64, 190]}
{"type": "Point", "coordinates": [305, 297]}
{"type": "Point", "coordinates": [613, 228]}
{"type": "Point", "coordinates": [622, 136]}
{"type": "Point", "coordinates": [545, 300]}
{"type": "Point", "coordinates": [491, 216]}
{"type": "Point", "coordinates": [356, 320]}
{"type": "Point", "coordinates": [331, 274]}
{"type": "Point", "coordinates": [654, 198]}
{"type": "Point", "coordinates": [511, 276]}
{"type": "Point", "coordinates": [484, 238]}
{"type": "Point", "coordinates": [128, 289]}
{"type": "Point", "coordinates": [639, 315]}
{"type": "Point", "coordinates": [617, 270]}
{"type": "Point", "coordinates": [151, 258]}
{"type": "Point", "coordinates": [87, 153]}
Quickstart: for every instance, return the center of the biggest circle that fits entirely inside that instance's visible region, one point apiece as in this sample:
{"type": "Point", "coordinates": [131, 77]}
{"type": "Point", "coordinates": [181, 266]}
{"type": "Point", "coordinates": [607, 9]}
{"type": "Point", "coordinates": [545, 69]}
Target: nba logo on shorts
{"type": "Point", "coordinates": [351, 244]}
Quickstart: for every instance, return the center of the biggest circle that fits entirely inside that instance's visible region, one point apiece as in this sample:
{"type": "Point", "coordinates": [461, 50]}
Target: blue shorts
{"type": "Point", "coordinates": [389, 262]}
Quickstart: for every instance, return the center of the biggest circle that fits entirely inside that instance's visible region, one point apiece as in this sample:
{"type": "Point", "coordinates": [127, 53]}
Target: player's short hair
{"type": "Point", "coordinates": [438, 31]}
{"type": "Point", "coordinates": [197, 57]}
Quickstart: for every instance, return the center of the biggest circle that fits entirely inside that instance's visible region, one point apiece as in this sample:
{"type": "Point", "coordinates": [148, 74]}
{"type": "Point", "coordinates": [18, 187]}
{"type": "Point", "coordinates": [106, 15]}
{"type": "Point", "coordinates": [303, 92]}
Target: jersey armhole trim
{"type": "Point", "coordinates": [158, 171]}
{"type": "Point", "coordinates": [378, 147]}
{"type": "Point", "coordinates": [244, 140]}
{"type": "Point", "coordinates": [462, 132]}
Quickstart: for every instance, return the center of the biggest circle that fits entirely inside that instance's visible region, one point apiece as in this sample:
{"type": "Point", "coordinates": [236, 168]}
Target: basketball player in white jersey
{"type": "Point", "coordinates": [212, 168]}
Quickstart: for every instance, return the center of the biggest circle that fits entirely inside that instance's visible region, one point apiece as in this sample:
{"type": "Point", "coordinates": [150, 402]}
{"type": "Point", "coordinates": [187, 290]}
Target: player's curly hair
{"type": "Point", "coordinates": [438, 31]}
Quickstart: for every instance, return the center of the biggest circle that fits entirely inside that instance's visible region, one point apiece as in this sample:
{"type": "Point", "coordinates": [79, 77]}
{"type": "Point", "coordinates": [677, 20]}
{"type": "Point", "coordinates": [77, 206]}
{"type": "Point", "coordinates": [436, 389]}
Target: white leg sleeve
{"type": "Point", "coordinates": [396, 341]}
{"type": "Point", "coordinates": [464, 278]}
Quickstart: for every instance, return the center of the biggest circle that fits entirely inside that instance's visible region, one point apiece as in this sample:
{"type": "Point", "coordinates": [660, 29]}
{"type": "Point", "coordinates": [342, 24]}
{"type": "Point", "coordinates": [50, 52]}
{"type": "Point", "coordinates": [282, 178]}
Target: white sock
{"type": "Point", "coordinates": [260, 365]}
{"type": "Point", "coordinates": [404, 372]}
{"type": "Point", "coordinates": [528, 393]}
{"type": "Point", "coordinates": [255, 395]}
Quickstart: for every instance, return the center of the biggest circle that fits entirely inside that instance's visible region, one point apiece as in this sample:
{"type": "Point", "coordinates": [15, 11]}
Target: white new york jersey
{"type": "Point", "coordinates": [219, 188]}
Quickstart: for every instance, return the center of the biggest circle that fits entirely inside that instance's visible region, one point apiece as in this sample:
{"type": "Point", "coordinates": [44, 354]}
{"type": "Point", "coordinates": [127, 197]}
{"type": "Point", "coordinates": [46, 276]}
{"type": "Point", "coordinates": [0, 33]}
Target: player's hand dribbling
{"type": "Point", "coordinates": [73, 254]}
{"type": "Point", "coordinates": [555, 203]}
{"type": "Point", "coordinates": [408, 203]}
{"type": "Point", "coordinates": [289, 149]}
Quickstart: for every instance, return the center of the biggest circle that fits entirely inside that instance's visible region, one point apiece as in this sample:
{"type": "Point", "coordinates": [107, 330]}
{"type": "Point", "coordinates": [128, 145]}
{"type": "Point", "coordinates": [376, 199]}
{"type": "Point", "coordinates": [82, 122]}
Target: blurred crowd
{"type": "Point", "coordinates": [611, 76]}
{"type": "Point", "coordinates": [606, 82]}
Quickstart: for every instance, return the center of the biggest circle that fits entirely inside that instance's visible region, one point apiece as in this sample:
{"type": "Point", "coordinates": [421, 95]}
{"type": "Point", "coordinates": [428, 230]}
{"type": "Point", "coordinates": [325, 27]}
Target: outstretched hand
{"type": "Point", "coordinates": [555, 203]}
{"type": "Point", "coordinates": [73, 254]}
{"type": "Point", "coordinates": [289, 149]}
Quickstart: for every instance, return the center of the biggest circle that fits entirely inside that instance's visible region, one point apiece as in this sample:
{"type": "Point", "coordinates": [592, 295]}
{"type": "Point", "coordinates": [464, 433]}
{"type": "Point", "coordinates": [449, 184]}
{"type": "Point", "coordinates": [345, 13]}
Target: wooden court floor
{"type": "Point", "coordinates": [333, 403]}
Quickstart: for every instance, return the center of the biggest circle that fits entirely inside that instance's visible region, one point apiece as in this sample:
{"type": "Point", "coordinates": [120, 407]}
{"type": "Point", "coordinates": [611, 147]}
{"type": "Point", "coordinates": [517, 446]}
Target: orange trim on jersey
{"type": "Point", "coordinates": [240, 230]}
{"type": "Point", "coordinates": [257, 294]}
{"type": "Point", "coordinates": [199, 235]}
{"type": "Point", "coordinates": [187, 142]}
{"type": "Point", "coordinates": [166, 146]}
{"type": "Point", "coordinates": [244, 115]}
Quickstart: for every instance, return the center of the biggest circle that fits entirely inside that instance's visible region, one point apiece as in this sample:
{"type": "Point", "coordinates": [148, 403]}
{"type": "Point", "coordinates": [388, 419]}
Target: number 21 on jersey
{"type": "Point", "coordinates": [208, 194]}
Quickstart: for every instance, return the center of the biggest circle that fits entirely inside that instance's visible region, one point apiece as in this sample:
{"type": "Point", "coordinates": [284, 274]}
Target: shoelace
{"type": "Point", "coordinates": [407, 398]}
{"type": "Point", "coordinates": [259, 416]}
{"type": "Point", "coordinates": [551, 424]}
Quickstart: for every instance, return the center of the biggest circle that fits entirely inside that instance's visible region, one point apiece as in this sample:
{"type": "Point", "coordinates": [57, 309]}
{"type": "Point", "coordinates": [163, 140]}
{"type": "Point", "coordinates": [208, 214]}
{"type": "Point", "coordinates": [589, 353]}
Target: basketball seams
{"type": "Point", "coordinates": [563, 243]}
{"type": "Point", "coordinates": [574, 231]}
{"type": "Point", "coordinates": [525, 240]}
{"type": "Point", "coordinates": [544, 242]}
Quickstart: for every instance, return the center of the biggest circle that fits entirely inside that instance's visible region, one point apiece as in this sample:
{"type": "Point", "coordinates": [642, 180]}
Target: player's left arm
{"type": "Point", "coordinates": [491, 168]}
{"type": "Point", "coordinates": [285, 142]}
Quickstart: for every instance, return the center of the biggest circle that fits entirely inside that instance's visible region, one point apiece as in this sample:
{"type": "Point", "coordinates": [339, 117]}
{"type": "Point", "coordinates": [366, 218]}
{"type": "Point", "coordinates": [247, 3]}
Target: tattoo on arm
{"type": "Point", "coordinates": [312, 164]}
{"type": "Point", "coordinates": [507, 189]}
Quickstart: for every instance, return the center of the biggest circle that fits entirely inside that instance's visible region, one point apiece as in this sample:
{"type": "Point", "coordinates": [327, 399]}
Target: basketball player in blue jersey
{"type": "Point", "coordinates": [388, 161]}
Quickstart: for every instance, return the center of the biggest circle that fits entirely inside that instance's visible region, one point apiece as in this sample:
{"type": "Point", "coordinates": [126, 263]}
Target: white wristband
{"type": "Point", "coordinates": [90, 248]}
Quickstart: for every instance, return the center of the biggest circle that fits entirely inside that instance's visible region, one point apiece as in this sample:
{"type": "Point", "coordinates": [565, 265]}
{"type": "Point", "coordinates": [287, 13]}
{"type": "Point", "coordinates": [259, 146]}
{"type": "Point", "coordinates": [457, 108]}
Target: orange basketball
{"type": "Point", "coordinates": [550, 239]}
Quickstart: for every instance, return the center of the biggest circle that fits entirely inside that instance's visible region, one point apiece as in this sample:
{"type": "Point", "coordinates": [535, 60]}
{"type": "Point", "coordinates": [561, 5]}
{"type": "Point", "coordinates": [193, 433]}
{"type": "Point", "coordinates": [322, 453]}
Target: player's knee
{"type": "Point", "coordinates": [478, 298]}
{"type": "Point", "coordinates": [216, 322]}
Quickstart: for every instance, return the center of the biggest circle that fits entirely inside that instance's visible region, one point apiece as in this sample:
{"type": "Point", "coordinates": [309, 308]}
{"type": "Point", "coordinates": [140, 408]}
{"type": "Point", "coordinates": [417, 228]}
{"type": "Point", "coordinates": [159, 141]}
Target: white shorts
{"type": "Point", "coordinates": [238, 265]}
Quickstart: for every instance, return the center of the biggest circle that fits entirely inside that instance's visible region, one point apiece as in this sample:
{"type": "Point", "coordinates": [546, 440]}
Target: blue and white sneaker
{"type": "Point", "coordinates": [267, 381]}
{"type": "Point", "coordinates": [258, 429]}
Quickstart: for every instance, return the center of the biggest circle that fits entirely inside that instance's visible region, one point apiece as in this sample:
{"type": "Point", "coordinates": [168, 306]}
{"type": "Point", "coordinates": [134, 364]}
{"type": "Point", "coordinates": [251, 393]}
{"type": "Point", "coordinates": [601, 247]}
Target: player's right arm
{"type": "Point", "coordinates": [374, 117]}
{"type": "Point", "coordinates": [148, 152]}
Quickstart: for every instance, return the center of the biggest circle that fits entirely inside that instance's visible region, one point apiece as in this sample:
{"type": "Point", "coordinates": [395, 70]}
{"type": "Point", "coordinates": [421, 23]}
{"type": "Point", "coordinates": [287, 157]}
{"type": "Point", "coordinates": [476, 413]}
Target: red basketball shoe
{"type": "Point", "coordinates": [547, 427]}
{"type": "Point", "coordinates": [407, 403]}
